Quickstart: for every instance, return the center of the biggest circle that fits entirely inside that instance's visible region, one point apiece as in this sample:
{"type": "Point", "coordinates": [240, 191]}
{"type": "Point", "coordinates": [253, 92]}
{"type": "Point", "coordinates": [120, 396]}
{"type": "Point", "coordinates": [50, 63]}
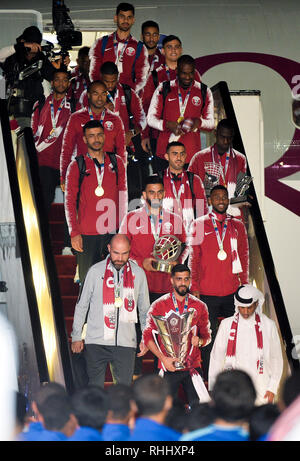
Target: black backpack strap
{"type": "Point", "coordinates": [166, 88]}
{"type": "Point", "coordinates": [82, 167]}
{"type": "Point", "coordinates": [127, 93]}
{"type": "Point", "coordinates": [155, 78]}
{"type": "Point", "coordinates": [203, 93]}
{"type": "Point", "coordinates": [113, 160]}
{"type": "Point", "coordinates": [191, 182]}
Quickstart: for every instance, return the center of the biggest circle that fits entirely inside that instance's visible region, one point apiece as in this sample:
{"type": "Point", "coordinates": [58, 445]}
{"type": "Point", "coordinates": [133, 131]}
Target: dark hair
{"type": "Point", "coordinates": [174, 144]}
{"type": "Point", "coordinates": [150, 393]}
{"type": "Point", "coordinates": [291, 388]}
{"type": "Point", "coordinates": [83, 51]}
{"type": "Point", "coordinates": [233, 395]}
{"type": "Point", "coordinates": [46, 391]}
{"type": "Point", "coordinates": [201, 415]}
{"type": "Point", "coordinates": [154, 179]}
{"type": "Point", "coordinates": [149, 23]}
{"type": "Point", "coordinates": [185, 59]}
{"type": "Point", "coordinates": [177, 417]}
{"type": "Point", "coordinates": [179, 268]}
{"type": "Point", "coordinates": [119, 398]}
{"type": "Point", "coordinates": [109, 68]}
{"type": "Point", "coordinates": [218, 187]}
{"type": "Point", "coordinates": [124, 7]}
{"type": "Point", "coordinates": [225, 123]}
{"type": "Point", "coordinates": [61, 71]}
{"type": "Point", "coordinates": [56, 411]}
{"type": "Point", "coordinates": [90, 406]}
{"type": "Point", "coordinates": [92, 124]}
{"type": "Point", "coordinates": [95, 83]}
{"type": "Point", "coordinates": [261, 420]}
{"type": "Point", "coordinates": [170, 38]}
{"type": "Point", "coordinates": [32, 34]}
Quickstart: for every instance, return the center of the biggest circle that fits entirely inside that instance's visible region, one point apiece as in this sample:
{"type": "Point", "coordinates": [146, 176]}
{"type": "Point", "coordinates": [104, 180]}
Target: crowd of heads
{"type": "Point", "coordinates": [149, 397]}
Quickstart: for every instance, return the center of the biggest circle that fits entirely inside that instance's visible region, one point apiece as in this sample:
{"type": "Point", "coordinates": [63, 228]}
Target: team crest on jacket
{"type": "Point", "coordinates": [110, 321]}
{"type": "Point", "coordinates": [130, 51]}
{"type": "Point", "coordinates": [109, 125]}
{"type": "Point", "coordinates": [196, 101]}
{"type": "Point", "coordinates": [167, 227]}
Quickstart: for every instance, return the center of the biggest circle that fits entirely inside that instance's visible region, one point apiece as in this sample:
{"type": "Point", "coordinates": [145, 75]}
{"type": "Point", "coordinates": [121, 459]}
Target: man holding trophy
{"type": "Point", "coordinates": [157, 237]}
{"type": "Point", "coordinates": [177, 326]}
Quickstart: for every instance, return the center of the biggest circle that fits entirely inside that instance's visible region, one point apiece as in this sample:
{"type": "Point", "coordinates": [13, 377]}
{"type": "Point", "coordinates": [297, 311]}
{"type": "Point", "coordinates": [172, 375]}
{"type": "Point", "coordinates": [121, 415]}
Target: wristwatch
{"type": "Point", "coordinates": [200, 342]}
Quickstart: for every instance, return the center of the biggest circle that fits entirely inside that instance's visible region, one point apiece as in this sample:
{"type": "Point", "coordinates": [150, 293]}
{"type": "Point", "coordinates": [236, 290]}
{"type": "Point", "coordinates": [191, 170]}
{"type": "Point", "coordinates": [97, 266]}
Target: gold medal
{"type": "Point", "coordinates": [180, 119]}
{"type": "Point", "coordinates": [99, 191]}
{"type": "Point", "coordinates": [118, 302]}
{"type": "Point", "coordinates": [222, 255]}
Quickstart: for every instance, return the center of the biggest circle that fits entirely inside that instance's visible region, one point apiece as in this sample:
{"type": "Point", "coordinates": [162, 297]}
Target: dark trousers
{"type": "Point", "coordinates": [139, 360]}
{"type": "Point", "coordinates": [218, 307]}
{"type": "Point", "coordinates": [121, 360]}
{"type": "Point", "coordinates": [50, 179]}
{"type": "Point", "coordinates": [177, 378]}
{"type": "Point", "coordinates": [94, 250]}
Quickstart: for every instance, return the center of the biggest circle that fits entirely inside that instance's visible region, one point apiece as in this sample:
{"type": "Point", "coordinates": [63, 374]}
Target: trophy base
{"type": "Point", "coordinates": [162, 266]}
{"type": "Point", "coordinates": [179, 366]}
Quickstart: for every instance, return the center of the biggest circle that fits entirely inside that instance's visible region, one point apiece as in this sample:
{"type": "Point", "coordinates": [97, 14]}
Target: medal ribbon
{"type": "Point", "coordinates": [155, 232]}
{"type": "Point", "coordinates": [101, 116]}
{"type": "Point", "coordinates": [220, 241]}
{"type": "Point", "coordinates": [186, 302]}
{"type": "Point", "coordinates": [113, 100]}
{"type": "Point", "coordinates": [119, 56]}
{"type": "Point", "coordinates": [180, 192]}
{"type": "Point", "coordinates": [225, 169]}
{"type": "Point", "coordinates": [54, 119]}
{"type": "Point", "coordinates": [182, 105]}
{"type": "Point", "coordinates": [99, 175]}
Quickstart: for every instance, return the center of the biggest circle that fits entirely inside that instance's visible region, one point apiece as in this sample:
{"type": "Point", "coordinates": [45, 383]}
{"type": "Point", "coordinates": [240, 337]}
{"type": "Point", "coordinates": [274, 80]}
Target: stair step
{"type": "Point", "coordinates": [57, 212]}
{"type": "Point", "coordinates": [67, 285]}
{"type": "Point", "coordinates": [57, 230]}
{"type": "Point", "coordinates": [66, 265]}
{"type": "Point", "coordinates": [69, 303]}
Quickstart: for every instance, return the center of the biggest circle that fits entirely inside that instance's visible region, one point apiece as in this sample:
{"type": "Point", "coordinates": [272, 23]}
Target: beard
{"type": "Point", "coordinates": [118, 264]}
{"type": "Point", "coordinates": [182, 290]}
{"type": "Point", "coordinates": [154, 204]}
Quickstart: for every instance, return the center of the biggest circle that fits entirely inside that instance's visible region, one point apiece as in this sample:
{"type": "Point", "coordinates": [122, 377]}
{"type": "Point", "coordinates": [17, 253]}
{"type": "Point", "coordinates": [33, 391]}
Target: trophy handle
{"type": "Point", "coordinates": [194, 328]}
{"type": "Point", "coordinates": [154, 333]}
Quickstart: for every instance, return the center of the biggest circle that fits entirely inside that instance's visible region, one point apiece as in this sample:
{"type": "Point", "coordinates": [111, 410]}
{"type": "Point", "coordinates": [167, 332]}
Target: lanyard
{"type": "Point", "coordinates": [186, 301]}
{"type": "Point", "coordinates": [223, 170]}
{"type": "Point", "coordinates": [182, 105]}
{"type": "Point", "coordinates": [114, 100]}
{"type": "Point", "coordinates": [168, 72]}
{"type": "Point", "coordinates": [155, 231]}
{"type": "Point", "coordinates": [99, 175]}
{"type": "Point", "coordinates": [181, 189]}
{"type": "Point", "coordinates": [54, 119]}
{"type": "Point", "coordinates": [220, 241]}
{"type": "Point", "coordinates": [119, 56]}
{"type": "Point", "coordinates": [92, 116]}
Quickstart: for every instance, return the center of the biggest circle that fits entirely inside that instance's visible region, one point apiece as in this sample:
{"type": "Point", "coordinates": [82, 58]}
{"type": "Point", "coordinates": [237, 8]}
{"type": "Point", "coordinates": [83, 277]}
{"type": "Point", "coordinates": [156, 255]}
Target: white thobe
{"type": "Point", "coordinates": [247, 354]}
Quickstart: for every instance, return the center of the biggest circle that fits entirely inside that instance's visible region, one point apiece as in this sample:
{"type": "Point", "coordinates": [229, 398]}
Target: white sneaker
{"type": "Point", "coordinates": [67, 251]}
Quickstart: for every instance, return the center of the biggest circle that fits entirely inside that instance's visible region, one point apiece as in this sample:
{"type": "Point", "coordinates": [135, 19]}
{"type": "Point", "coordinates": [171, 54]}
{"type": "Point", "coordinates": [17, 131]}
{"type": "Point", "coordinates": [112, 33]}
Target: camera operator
{"type": "Point", "coordinates": [23, 92]}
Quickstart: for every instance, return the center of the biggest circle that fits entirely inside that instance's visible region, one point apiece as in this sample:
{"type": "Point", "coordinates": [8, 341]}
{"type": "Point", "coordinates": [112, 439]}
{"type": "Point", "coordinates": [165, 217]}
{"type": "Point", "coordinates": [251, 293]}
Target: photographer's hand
{"type": "Point", "coordinates": [34, 47]}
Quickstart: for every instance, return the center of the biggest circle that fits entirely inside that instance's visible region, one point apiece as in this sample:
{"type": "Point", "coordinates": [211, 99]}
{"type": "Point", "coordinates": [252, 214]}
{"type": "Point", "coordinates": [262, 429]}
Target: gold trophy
{"type": "Point", "coordinates": [166, 250]}
{"type": "Point", "coordinates": [173, 329]}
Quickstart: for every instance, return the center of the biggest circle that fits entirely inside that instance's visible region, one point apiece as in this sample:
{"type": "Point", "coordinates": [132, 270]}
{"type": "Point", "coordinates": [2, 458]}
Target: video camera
{"type": "Point", "coordinates": [67, 36]}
